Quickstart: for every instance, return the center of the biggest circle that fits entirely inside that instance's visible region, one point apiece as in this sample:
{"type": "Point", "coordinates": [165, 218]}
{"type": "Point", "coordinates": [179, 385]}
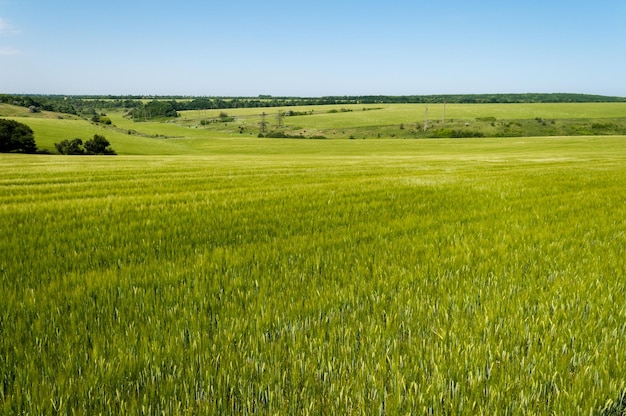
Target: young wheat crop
{"type": "Point", "coordinates": [474, 277]}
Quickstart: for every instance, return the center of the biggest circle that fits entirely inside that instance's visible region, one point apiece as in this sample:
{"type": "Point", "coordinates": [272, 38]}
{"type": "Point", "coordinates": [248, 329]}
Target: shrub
{"type": "Point", "coordinates": [276, 135]}
{"type": "Point", "coordinates": [604, 126]}
{"type": "Point", "coordinates": [70, 147]}
{"type": "Point", "coordinates": [455, 134]}
{"type": "Point", "coordinates": [99, 145]}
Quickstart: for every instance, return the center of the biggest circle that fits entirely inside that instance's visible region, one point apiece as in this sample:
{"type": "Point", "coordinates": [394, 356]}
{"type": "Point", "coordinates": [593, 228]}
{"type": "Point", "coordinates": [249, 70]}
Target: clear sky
{"type": "Point", "coordinates": [312, 48]}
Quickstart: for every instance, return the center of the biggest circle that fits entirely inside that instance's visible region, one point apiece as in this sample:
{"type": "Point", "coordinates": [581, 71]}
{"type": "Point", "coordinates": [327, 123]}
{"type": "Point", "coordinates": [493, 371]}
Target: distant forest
{"type": "Point", "coordinates": [151, 107]}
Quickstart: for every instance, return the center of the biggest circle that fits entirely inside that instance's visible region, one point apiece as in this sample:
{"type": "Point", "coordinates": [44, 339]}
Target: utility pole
{"type": "Point", "coordinates": [279, 119]}
{"type": "Point", "coordinates": [426, 119]}
{"type": "Point", "coordinates": [443, 118]}
{"type": "Point", "coordinates": [263, 123]}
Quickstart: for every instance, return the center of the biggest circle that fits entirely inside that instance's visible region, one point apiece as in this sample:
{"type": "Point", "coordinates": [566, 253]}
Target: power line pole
{"type": "Point", "coordinates": [279, 119]}
{"type": "Point", "coordinates": [263, 123]}
{"type": "Point", "coordinates": [443, 119]}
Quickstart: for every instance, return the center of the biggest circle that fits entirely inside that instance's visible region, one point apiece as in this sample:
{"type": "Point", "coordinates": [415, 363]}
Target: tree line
{"type": "Point", "coordinates": [153, 107]}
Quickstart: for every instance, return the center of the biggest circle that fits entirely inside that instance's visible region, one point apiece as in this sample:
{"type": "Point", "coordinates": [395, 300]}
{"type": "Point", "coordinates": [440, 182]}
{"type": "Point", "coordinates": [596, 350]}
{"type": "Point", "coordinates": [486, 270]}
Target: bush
{"type": "Point", "coordinates": [16, 137]}
{"type": "Point", "coordinates": [282, 135]}
{"type": "Point", "coordinates": [455, 134]}
{"type": "Point", "coordinates": [70, 147]}
{"type": "Point", "coordinates": [99, 145]}
{"type": "Point", "coordinates": [276, 135]}
{"type": "Point", "coordinates": [604, 126]}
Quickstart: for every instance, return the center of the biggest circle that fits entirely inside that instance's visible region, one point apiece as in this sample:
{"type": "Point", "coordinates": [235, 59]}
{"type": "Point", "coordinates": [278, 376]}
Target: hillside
{"type": "Point", "coordinates": [192, 130]}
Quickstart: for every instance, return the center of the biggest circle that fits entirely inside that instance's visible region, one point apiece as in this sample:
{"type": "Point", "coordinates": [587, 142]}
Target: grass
{"type": "Point", "coordinates": [187, 135]}
{"type": "Point", "coordinates": [475, 276]}
{"type": "Point", "coordinates": [384, 120]}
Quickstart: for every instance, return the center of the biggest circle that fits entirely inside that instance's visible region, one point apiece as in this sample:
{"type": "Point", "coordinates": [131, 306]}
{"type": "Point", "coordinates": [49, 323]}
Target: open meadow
{"type": "Point", "coordinates": [190, 132]}
{"type": "Point", "coordinates": [202, 272]}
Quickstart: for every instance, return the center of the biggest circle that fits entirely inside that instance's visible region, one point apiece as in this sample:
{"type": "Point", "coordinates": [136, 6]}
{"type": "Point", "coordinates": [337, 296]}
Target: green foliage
{"type": "Point", "coordinates": [605, 127]}
{"type": "Point", "coordinates": [455, 134]}
{"type": "Point", "coordinates": [290, 113]}
{"type": "Point", "coordinates": [101, 118]}
{"type": "Point", "coordinates": [283, 135]}
{"type": "Point", "coordinates": [41, 102]}
{"type": "Point", "coordinates": [223, 118]}
{"type": "Point", "coordinates": [98, 145]}
{"type": "Point", "coordinates": [16, 137]}
{"type": "Point", "coordinates": [70, 147]}
{"type": "Point", "coordinates": [155, 109]}
{"type": "Point", "coordinates": [275, 135]}
{"type": "Point", "coordinates": [341, 110]}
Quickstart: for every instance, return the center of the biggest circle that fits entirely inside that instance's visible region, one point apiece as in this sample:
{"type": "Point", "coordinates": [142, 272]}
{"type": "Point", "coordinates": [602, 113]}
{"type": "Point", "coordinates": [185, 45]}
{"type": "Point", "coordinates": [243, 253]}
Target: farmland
{"type": "Point", "coordinates": [189, 133]}
{"type": "Point", "coordinates": [209, 271]}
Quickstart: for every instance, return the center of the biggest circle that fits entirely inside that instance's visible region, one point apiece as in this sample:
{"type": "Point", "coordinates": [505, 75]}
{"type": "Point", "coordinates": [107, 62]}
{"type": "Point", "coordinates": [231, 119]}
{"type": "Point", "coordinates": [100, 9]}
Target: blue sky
{"type": "Point", "coordinates": [312, 48]}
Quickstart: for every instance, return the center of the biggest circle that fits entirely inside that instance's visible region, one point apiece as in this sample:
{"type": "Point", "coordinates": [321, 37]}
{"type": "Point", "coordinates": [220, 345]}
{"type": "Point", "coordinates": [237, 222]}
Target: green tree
{"type": "Point", "coordinates": [155, 109]}
{"type": "Point", "coordinates": [70, 147]}
{"type": "Point", "coordinates": [99, 145]}
{"type": "Point", "coordinates": [16, 137]}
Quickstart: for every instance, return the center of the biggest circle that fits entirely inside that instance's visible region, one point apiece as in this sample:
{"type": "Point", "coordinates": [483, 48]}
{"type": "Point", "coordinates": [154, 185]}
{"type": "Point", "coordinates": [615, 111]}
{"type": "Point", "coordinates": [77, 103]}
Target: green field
{"type": "Point", "coordinates": [195, 132]}
{"type": "Point", "coordinates": [202, 272]}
